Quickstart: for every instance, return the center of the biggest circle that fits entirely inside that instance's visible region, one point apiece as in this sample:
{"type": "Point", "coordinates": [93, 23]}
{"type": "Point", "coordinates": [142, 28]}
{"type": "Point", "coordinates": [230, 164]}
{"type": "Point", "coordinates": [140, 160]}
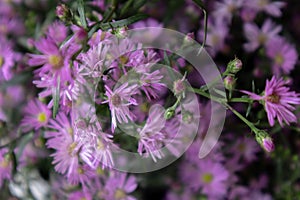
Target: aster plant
{"type": "Point", "coordinates": [78, 95]}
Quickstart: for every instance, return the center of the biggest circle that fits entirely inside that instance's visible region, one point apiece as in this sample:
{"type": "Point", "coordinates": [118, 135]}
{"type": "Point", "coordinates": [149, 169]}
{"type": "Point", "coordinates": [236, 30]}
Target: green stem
{"type": "Point", "coordinates": [224, 103]}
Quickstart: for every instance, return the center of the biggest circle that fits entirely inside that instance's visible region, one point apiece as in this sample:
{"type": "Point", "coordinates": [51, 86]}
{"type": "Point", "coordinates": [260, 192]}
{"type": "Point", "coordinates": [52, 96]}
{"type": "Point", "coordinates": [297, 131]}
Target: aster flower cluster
{"type": "Point", "coordinates": [83, 106]}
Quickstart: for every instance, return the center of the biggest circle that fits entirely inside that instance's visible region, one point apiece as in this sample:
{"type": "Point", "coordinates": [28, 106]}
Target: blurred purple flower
{"type": "Point", "coordinates": [5, 166]}
{"type": "Point", "coordinates": [257, 37]}
{"type": "Point", "coordinates": [7, 57]}
{"type": "Point", "coordinates": [216, 34]}
{"type": "Point", "coordinates": [268, 6]}
{"type": "Point", "coordinates": [283, 54]}
{"type": "Point", "coordinates": [57, 31]}
{"type": "Point", "coordinates": [226, 9]}
{"type": "Point", "coordinates": [119, 186]}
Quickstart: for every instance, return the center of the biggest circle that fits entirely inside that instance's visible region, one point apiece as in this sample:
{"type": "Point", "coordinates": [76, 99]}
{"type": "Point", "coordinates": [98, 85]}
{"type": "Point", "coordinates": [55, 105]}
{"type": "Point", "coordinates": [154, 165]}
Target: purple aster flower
{"type": "Point", "coordinates": [36, 116]}
{"type": "Point", "coordinates": [79, 195]}
{"type": "Point", "coordinates": [227, 8]}
{"type": "Point", "coordinates": [270, 7]}
{"type": "Point", "coordinates": [6, 59]}
{"type": "Point", "coordinates": [11, 25]}
{"type": "Point", "coordinates": [83, 174]}
{"type": "Point", "coordinates": [5, 166]}
{"type": "Point", "coordinates": [150, 137]}
{"type": "Point", "coordinates": [216, 34]}
{"type": "Point", "coordinates": [268, 144]}
{"type": "Point", "coordinates": [119, 187]}
{"type": "Point", "coordinates": [54, 60]}
{"type": "Point", "coordinates": [283, 54]}
{"type": "Point", "coordinates": [65, 142]}
{"type": "Point", "coordinates": [278, 101]}
{"type": "Point", "coordinates": [213, 177]}
{"type": "Point", "coordinates": [119, 101]}
{"type": "Point", "coordinates": [149, 81]}
{"type": "Point", "coordinates": [94, 61]}
{"type": "Point", "coordinates": [57, 31]}
{"type": "Point", "coordinates": [246, 149]}
{"type": "Point", "coordinates": [208, 176]}
{"type": "Point", "coordinates": [257, 37]}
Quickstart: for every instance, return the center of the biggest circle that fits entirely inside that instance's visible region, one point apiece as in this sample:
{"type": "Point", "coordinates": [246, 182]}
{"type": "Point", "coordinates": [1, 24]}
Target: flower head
{"type": "Point", "coordinates": [119, 101]}
{"type": "Point", "coordinates": [278, 101]}
{"type": "Point", "coordinates": [283, 54]}
{"type": "Point", "coordinates": [37, 115]}
{"type": "Point", "coordinates": [119, 186]}
{"type": "Point", "coordinates": [257, 37]}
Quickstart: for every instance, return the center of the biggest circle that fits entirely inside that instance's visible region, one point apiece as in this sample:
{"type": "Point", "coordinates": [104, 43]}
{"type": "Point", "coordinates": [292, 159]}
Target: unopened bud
{"type": "Point", "coordinates": [229, 82]}
{"type": "Point", "coordinates": [169, 113]}
{"type": "Point", "coordinates": [234, 66]}
{"type": "Point", "coordinates": [265, 141]}
{"type": "Point", "coordinates": [121, 32]}
{"type": "Point", "coordinates": [64, 13]}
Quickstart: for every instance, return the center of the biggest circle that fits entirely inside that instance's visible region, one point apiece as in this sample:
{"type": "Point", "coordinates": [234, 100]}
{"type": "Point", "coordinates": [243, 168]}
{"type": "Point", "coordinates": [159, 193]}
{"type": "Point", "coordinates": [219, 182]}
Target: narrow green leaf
{"type": "Point", "coordinates": [168, 63]}
{"type": "Point", "coordinates": [117, 24]}
{"type": "Point", "coordinates": [220, 92]}
{"type": "Point", "coordinates": [82, 14]}
{"type": "Point", "coordinates": [200, 4]}
{"type": "Point", "coordinates": [56, 92]}
{"type": "Point", "coordinates": [21, 146]}
{"type": "Point", "coordinates": [128, 5]}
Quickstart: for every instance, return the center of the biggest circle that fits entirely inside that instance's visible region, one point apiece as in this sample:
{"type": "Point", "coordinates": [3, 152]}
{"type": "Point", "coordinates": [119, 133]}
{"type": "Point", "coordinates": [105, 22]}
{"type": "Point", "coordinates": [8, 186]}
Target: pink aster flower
{"type": "Point", "coordinates": [208, 176]}
{"type": "Point", "coordinates": [68, 148]}
{"type": "Point", "coordinates": [273, 8]}
{"type": "Point", "coordinates": [216, 34]}
{"type": "Point", "coordinates": [151, 137]}
{"type": "Point", "coordinates": [257, 37]}
{"type": "Point", "coordinates": [57, 31]}
{"type": "Point", "coordinates": [283, 54]}
{"type": "Point", "coordinates": [119, 101]}
{"type": "Point", "coordinates": [5, 166]}
{"type": "Point", "coordinates": [6, 59]}
{"type": "Point", "coordinates": [278, 101]}
{"type": "Point", "coordinates": [37, 115]}
{"type": "Point", "coordinates": [119, 187]}
{"type": "Point", "coordinates": [227, 8]}
{"type": "Point", "coordinates": [54, 60]}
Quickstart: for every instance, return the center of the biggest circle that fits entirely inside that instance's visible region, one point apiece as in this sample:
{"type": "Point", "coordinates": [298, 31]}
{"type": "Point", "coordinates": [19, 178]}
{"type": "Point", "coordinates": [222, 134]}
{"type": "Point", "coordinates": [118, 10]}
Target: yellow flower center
{"type": "Point", "coordinates": [262, 38]}
{"type": "Point", "coordinates": [207, 178]}
{"type": "Point", "coordinates": [100, 171]}
{"type": "Point", "coordinates": [263, 3]}
{"type": "Point", "coordinates": [116, 100]}
{"type": "Point", "coordinates": [120, 194]}
{"type": "Point", "coordinates": [123, 59]}
{"type": "Point", "coordinates": [42, 117]}
{"type": "Point", "coordinates": [100, 145]}
{"type": "Point", "coordinates": [1, 61]}
{"type": "Point", "coordinates": [279, 59]}
{"type": "Point", "coordinates": [242, 147]}
{"type": "Point", "coordinates": [144, 107]}
{"type": "Point", "coordinates": [273, 98]}
{"type": "Point", "coordinates": [71, 148]}
{"type": "Point", "coordinates": [80, 170]}
{"type": "Point", "coordinates": [3, 28]}
{"type": "Point", "coordinates": [56, 61]}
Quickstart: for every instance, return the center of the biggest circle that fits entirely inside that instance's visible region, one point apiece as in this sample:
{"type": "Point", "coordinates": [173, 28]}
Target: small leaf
{"type": "Point", "coordinates": [117, 24]}
{"type": "Point", "coordinates": [126, 7]}
{"type": "Point", "coordinates": [220, 92]}
{"type": "Point", "coordinates": [200, 4]}
{"type": "Point", "coordinates": [56, 92]}
{"type": "Point", "coordinates": [21, 146]}
{"type": "Point", "coordinates": [82, 14]}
